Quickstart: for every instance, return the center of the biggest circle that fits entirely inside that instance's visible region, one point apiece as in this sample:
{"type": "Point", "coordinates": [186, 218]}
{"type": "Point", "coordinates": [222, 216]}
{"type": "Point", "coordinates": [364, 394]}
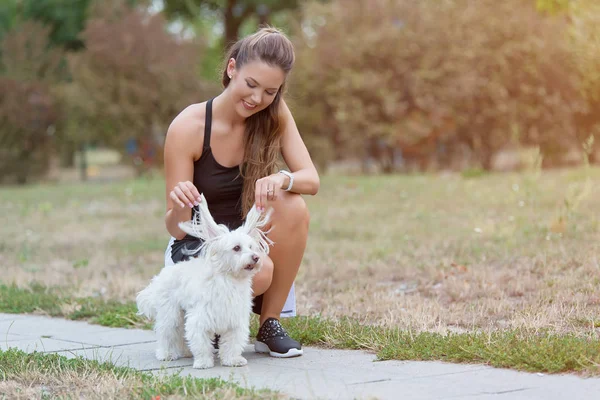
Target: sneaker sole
{"type": "Point", "coordinates": [260, 347]}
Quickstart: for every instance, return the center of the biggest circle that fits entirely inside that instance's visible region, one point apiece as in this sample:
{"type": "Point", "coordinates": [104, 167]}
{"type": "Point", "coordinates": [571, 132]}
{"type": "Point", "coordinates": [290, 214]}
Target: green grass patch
{"type": "Point", "coordinates": [111, 313]}
{"type": "Point", "coordinates": [518, 349]}
{"type": "Point", "coordinates": [54, 302]}
{"type": "Point", "coordinates": [48, 372]}
{"type": "Point", "coordinates": [37, 297]}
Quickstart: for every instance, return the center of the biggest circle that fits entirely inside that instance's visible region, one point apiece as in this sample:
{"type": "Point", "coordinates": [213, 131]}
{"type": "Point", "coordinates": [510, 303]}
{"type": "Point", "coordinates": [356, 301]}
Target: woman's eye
{"type": "Point", "coordinates": [271, 94]}
{"type": "Point", "coordinates": [237, 248]}
{"type": "Point", "coordinates": [250, 86]}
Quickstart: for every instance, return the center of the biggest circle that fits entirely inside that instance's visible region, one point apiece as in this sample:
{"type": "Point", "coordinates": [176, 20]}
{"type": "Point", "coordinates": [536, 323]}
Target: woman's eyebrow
{"type": "Point", "coordinates": [258, 84]}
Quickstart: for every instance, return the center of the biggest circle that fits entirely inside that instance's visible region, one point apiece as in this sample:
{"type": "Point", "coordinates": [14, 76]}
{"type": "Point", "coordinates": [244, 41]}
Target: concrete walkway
{"type": "Point", "coordinates": [322, 374]}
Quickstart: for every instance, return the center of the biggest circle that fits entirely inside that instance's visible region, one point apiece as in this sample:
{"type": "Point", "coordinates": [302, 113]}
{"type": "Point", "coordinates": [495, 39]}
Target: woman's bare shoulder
{"type": "Point", "coordinates": [187, 128]}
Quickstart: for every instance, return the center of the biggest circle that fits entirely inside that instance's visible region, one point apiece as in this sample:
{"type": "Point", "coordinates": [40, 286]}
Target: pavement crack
{"type": "Point", "coordinates": [128, 344]}
{"type": "Point", "coordinates": [442, 374]}
{"type": "Point", "coordinates": [499, 392]}
{"type": "Point", "coordinates": [375, 381]}
{"type": "Point", "coordinates": [163, 368]}
{"type": "Point", "coordinates": [508, 391]}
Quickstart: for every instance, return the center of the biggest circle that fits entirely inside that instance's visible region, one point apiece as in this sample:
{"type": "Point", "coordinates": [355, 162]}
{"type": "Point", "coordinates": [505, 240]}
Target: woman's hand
{"type": "Point", "coordinates": [185, 193]}
{"type": "Point", "coordinates": [268, 189]}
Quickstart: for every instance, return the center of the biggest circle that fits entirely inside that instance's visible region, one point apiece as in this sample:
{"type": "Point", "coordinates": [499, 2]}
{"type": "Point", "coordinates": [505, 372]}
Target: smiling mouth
{"type": "Point", "coordinates": [248, 105]}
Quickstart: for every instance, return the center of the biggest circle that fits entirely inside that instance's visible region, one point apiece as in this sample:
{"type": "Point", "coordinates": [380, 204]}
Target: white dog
{"type": "Point", "coordinates": [193, 300]}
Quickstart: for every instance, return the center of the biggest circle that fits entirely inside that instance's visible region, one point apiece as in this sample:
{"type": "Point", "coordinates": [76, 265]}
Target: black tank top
{"type": "Point", "coordinates": [221, 186]}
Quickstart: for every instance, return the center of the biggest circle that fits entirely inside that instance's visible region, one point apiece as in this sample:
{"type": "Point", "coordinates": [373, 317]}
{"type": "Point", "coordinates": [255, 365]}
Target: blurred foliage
{"type": "Point", "coordinates": [8, 16]}
{"type": "Point", "coordinates": [134, 77]}
{"type": "Point", "coordinates": [411, 84]}
{"type": "Point", "coordinates": [433, 79]}
{"type": "Point", "coordinates": [66, 19]}
{"type": "Point", "coordinates": [233, 12]}
{"type": "Point", "coordinates": [28, 105]}
{"type": "Point", "coordinates": [553, 7]}
{"type": "Point", "coordinates": [585, 44]}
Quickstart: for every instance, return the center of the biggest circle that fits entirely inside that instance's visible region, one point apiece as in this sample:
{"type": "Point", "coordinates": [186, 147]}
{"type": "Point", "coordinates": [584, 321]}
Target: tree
{"type": "Point", "coordinates": [65, 19]}
{"type": "Point", "coordinates": [424, 76]}
{"type": "Point", "coordinates": [28, 105]}
{"type": "Point", "coordinates": [233, 12]}
{"type": "Point", "coordinates": [135, 75]}
{"type": "Point", "coordinates": [585, 44]}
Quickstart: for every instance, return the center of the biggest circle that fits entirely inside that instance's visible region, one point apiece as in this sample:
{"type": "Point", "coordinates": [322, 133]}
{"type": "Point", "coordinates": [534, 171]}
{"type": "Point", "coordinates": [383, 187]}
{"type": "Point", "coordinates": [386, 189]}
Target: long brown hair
{"type": "Point", "coordinates": [263, 130]}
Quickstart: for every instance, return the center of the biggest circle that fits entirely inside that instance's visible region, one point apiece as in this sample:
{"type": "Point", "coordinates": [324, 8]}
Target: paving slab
{"type": "Point", "coordinates": [41, 345]}
{"type": "Point", "coordinates": [42, 326]}
{"type": "Point", "coordinates": [12, 317]}
{"type": "Point", "coordinates": [318, 374]}
{"type": "Point", "coordinates": [10, 337]}
{"type": "Point", "coordinates": [139, 356]}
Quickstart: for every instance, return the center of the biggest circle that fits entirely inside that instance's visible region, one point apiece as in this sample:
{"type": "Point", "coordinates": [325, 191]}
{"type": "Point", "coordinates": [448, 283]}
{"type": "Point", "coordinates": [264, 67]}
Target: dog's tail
{"type": "Point", "coordinates": [145, 302]}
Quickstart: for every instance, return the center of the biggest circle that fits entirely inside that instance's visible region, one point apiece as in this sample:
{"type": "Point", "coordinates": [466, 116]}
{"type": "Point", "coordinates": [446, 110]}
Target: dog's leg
{"type": "Point", "coordinates": [199, 338]}
{"type": "Point", "coordinates": [182, 347]}
{"type": "Point", "coordinates": [169, 326]}
{"type": "Point", "coordinates": [231, 346]}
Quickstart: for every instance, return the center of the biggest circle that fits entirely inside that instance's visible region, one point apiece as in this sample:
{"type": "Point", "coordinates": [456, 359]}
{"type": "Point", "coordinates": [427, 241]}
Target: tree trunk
{"type": "Point", "coordinates": [231, 27]}
{"type": "Point", "coordinates": [233, 22]}
{"type": "Point", "coordinates": [264, 19]}
{"type": "Point", "coordinates": [67, 159]}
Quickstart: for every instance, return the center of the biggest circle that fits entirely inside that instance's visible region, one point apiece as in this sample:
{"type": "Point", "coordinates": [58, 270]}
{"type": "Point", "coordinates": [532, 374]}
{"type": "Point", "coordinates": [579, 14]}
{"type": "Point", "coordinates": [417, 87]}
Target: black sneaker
{"type": "Point", "coordinates": [273, 339]}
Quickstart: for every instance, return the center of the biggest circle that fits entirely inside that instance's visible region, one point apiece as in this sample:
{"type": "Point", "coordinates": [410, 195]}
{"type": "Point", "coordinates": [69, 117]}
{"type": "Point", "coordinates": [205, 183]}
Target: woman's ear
{"type": "Point", "coordinates": [231, 67]}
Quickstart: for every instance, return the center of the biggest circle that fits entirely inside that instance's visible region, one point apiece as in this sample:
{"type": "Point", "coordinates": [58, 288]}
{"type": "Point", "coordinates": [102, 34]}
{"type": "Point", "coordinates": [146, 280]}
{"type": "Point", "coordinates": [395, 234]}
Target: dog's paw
{"type": "Point", "coordinates": [203, 363]}
{"type": "Point", "coordinates": [238, 361]}
{"type": "Point", "coordinates": [162, 355]}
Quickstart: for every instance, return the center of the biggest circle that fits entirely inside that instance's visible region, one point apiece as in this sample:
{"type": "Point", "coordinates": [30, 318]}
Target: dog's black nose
{"type": "Point", "coordinates": [255, 258]}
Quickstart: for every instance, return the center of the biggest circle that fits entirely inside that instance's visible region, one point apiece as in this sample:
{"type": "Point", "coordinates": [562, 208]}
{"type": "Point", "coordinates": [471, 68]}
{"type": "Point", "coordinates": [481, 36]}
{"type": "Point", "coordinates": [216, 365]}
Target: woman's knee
{"type": "Point", "coordinates": [262, 279]}
{"type": "Point", "coordinates": [292, 208]}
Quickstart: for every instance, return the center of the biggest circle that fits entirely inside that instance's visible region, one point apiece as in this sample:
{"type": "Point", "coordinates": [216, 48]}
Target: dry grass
{"type": "Point", "coordinates": [426, 252]}
{"type": "Point", "coordinates": [45, 376]}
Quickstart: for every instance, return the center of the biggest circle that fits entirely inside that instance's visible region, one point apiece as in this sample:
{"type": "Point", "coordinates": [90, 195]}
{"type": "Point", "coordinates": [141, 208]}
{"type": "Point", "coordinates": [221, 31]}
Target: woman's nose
{"type": "Point", "coordinates": [256, 98]}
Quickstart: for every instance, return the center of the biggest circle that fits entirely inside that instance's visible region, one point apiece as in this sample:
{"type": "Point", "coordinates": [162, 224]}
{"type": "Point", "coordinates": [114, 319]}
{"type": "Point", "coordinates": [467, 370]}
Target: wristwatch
{"type": "Point", "coordinates": [291, 176]}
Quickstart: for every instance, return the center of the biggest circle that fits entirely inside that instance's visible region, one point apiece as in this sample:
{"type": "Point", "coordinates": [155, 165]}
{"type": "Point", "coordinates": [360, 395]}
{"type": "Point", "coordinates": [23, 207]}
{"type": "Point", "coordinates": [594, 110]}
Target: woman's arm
{"type": "Point", "coordinates": [296, 156]}
{"type": "Point", "coordinates": [181, 142]}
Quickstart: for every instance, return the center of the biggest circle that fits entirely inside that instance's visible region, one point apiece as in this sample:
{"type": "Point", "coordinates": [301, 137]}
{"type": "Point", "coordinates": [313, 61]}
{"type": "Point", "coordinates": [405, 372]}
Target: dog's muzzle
{"type": "Point", "coordinates": [250, 267]}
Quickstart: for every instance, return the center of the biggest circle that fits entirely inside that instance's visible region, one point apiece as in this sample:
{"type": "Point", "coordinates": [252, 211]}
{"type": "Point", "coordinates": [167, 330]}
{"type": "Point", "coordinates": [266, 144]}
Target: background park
{"type": "Point", "coordinates": [457, 142]}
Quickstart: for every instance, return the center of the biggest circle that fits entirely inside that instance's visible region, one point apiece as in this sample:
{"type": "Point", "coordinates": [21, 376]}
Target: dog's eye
{"type": "Point", "coordinates": [237, 248]}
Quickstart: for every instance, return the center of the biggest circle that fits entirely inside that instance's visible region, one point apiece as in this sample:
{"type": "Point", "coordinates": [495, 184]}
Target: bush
{"type": "Point", "coordinates": [28, 106]}
{"type": "Point", "coordinates": [429, 77]}
{"type": "Point", "coordinates": [136, 76]}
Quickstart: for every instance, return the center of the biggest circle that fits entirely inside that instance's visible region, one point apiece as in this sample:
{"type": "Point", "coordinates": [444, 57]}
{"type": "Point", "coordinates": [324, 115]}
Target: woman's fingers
{"type": "Point", "coordinates": [263, 195]}
{"type": "Point", "coordinates": [193, 191]}
{"type": "Point", "coordinates": [185, 195]}
{"type": "Point", "coordinates": [271, 192]}
{"type": "Point", "coordinates": [257, 194]}
{"type": "Point", "coordinates": [175, 199]}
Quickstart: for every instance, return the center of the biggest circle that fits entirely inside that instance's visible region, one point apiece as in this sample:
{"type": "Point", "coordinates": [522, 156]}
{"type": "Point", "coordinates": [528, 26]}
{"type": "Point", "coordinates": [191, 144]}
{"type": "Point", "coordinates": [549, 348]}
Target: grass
{"type": "Point", "coordinates": [38, 375]}
{"type": "Point", "coordinates": [54, 302]}
{"type": "Point", "coordinates": [534, 351]}
{"type": "Point", "coordinates": [513, 255]}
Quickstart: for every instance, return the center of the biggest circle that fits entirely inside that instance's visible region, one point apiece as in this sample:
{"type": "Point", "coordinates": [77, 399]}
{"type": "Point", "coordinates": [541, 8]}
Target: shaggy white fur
{"type": "Point", "coordinates": [210, 294]}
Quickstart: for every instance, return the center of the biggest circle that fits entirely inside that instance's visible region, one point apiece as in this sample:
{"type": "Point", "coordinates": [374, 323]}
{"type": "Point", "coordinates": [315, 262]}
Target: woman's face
{"type": "Point", "coordinates": [254, 86]}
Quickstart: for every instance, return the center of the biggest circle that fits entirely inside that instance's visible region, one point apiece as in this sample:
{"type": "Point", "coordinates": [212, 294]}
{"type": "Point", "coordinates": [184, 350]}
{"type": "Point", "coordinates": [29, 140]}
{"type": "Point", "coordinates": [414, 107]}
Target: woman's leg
{"type": "Point", "coordinates": [289, 233]}
{"type": "Point", "coordinates": [262, 280]}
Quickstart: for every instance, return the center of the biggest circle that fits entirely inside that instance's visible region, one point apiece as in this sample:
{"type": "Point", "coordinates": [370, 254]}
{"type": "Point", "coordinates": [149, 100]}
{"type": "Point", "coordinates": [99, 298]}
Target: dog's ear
{"type": "Point", "coordinates": [254, 226]}
{"type": "Point", "coordinates": [202, 225]}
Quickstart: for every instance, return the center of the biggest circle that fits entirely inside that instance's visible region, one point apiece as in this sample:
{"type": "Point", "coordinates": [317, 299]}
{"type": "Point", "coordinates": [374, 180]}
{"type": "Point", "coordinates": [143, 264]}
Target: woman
{"type": "Point", "coordinates": [228, 149]}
